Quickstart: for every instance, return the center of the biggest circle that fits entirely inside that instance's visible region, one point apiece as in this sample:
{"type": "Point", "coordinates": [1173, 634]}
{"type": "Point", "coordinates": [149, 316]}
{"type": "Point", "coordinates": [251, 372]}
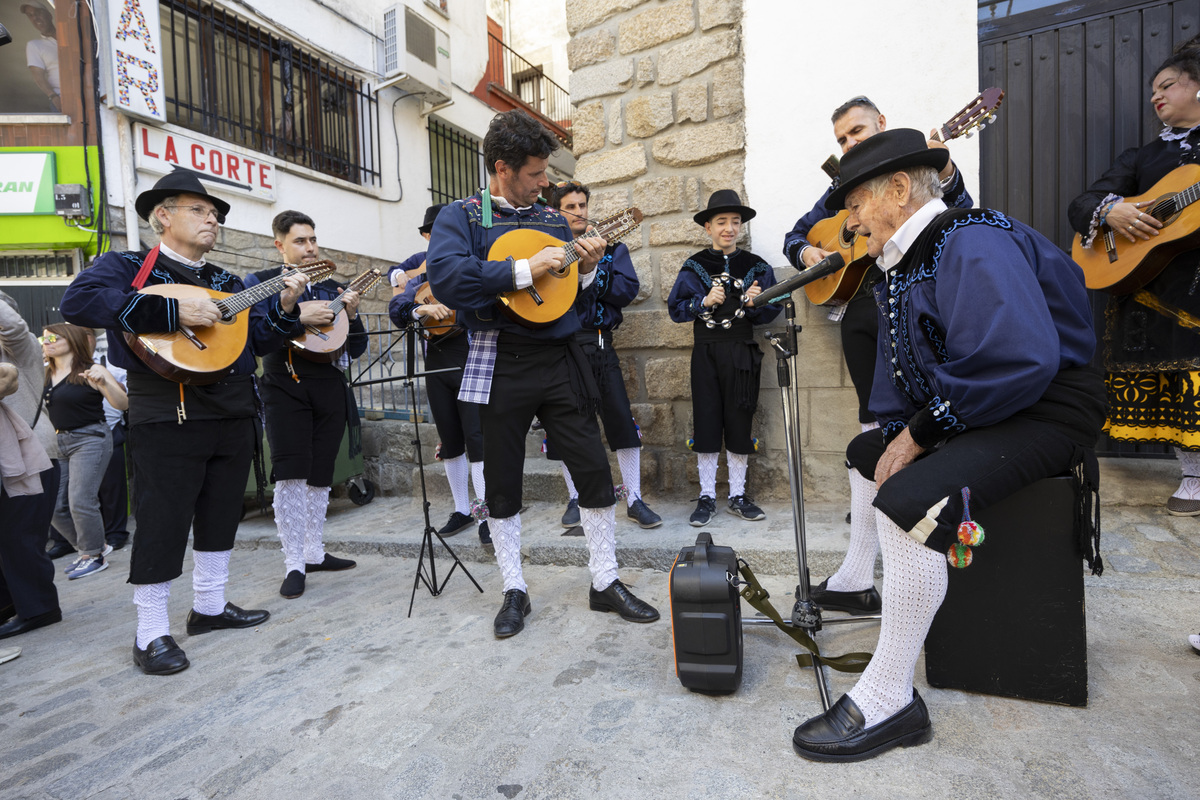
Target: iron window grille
{"type": "Point", "coordinates": [229, 79]}
{"type": "Point", "coordinates": [455, 163]}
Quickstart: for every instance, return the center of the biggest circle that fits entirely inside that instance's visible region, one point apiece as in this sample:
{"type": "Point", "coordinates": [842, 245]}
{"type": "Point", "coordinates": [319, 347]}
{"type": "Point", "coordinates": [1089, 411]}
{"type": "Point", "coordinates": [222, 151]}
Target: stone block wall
{"type": "Point", "coordinates": [660, 124]}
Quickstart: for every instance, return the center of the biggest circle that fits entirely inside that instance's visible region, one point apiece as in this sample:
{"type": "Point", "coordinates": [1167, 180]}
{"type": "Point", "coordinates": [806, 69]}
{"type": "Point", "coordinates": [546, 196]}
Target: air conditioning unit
{"type": "Point", "coordinates": [414, 55]}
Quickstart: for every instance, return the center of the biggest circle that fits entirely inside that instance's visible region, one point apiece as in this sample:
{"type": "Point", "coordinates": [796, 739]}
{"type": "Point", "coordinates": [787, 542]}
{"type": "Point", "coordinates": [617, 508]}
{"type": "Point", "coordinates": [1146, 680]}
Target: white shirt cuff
{"type": "Point", "coordinates": [586, 280]}
{"type": "Point", "coordinates": [521, 273]}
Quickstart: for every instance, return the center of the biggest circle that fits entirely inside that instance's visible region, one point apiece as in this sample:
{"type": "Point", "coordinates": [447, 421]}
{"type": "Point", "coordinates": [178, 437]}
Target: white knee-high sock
{"type": "Point", "coordinates": [914, 585]}
{"type": "Point", "coordinates": [572, 492]}
{"type": "Point", "coordinates": [707, 462]}
{"type": "Point", "coordinates": [506, 538]}
{"type": "Point", "coordinates": [629, 459]}
{"type": "Point", "coordinates": [314, 531]}
{"type": "Point", "coordinates": [600, 530]}
{"type": "Point", "coordinates": [291, 518]}
{"type": "Point", "coordinates": [737, 463]}
{"type": "Point", "coordinates": [457, 471]}
{"type": "Point", "coordinates": [857, 571]}
{"type": "Point", "coordinates": [209, 575]}
{"type": "Point", "coordinates": [153, 621]}
{"type": "Point", "coordinates": [1189, 465]}
{"type": "Point", "coordinates": [477, 479]}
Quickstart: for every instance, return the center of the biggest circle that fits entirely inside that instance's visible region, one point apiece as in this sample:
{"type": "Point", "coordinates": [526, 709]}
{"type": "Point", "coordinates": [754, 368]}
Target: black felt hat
{"type": "Point", "coordinates": [181, 181]}
{"type": "Point", "coordinates": [723, 201]}
{"type": "Point", "coordinates": [884, 153]}
{"type": "Point", "coordinates": [430, 215]}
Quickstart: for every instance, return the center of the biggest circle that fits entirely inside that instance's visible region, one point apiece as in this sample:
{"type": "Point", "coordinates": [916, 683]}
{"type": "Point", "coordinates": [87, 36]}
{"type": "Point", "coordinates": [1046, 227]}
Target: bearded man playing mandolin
{"type": "Point", "coordinates": [516, 372]}
{"type": "Point", "coordinates": [192, 445]}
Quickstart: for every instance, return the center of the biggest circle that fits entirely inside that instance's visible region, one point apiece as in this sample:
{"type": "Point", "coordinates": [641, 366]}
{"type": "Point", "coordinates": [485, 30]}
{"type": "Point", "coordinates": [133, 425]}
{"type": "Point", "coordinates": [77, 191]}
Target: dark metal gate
{"type": "Point", "coordinates": [1077, 92]}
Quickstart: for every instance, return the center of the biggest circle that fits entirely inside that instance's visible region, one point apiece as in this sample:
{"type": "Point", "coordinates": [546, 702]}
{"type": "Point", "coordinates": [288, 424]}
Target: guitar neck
{"type": "Point", "coordinates": [1185, 198]}
{"type": "Point", "coordinates": [237, 303]}
{"type": "Point", "coordinates": [361, 284]}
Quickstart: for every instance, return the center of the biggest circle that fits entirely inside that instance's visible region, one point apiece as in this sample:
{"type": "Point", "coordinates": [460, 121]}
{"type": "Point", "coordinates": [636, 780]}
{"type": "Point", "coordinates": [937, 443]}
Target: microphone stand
{"type": "Point", "coordinates": [805, 614]}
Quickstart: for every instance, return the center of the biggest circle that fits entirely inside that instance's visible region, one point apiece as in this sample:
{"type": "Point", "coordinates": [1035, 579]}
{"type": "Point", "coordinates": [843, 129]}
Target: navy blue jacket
{"type": "Point", "coordinates": [694, 282]}
{"type": "Point", "coordinates": [616, 285]}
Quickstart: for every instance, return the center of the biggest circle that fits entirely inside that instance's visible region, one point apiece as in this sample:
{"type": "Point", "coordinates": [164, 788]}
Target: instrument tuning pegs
{"type": "Point", "coordinates": [969, 134]}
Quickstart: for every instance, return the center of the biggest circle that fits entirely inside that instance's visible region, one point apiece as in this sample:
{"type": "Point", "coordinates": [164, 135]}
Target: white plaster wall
{"type": "Point", "coordinates": [804, 59]}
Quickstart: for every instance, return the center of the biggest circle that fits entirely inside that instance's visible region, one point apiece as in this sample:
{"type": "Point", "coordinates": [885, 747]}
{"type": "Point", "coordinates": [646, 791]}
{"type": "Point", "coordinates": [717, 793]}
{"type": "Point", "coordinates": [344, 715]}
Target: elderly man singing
{"type": "Point", "coordinates": [981, 387]}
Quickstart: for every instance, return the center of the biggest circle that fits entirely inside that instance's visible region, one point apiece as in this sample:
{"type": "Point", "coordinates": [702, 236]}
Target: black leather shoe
{"type": "Point", "coordinates": [331, 564]}
{"type": "Point", "coordinates": [161, 657]}
{"type": "Point", "coordinates": [485, 535]}
{"type": "Point", "coordinates": [839, 734]}
{"type": "Point", "coordinates": [17, 625]}
{"type": "Point", "coordinates": [867, 601]}
{"type": "Point", "coordinates": [511, 619]}
{"type": "Point", "coordinates": [618, 598]}
{"type": "Point", "coordinates": [231, 617]}
{"type": "Point", "coordinates": [293, 585]}
{"type": "Point", "coordinates": [640, 513]}
{"type": "Point", "coordinates": [59, 549]}
{"type": "Point", "coordinates": [457, 523]}
{"type": "Point", "coordinates": [8, 612]}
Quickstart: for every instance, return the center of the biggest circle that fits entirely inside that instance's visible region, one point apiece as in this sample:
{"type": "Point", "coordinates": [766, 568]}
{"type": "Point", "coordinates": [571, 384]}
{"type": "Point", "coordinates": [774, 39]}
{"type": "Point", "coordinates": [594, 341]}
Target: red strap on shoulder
{"type": "Point", "coordinates": [147, 265]}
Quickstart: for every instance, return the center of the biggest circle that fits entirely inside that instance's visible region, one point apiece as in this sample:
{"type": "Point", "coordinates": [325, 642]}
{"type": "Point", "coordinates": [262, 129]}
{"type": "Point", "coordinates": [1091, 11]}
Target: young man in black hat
{"type": "Point", "coordinates": [308, 404]}
{"type": "Point", "coordinates": [711, 292]}
{"type": "Point", "coordinates": [599, 309]}
{"type": "Point", "coordinates": [516, 372]}
{"type": "Point", "coordinates": [192, 445]}
{"type": "Point", "coordinates": [852, 587]}
{"type": "Point", "coordinates": [457, 422]}
{"type": "Point", "coordinates": [983, 387]}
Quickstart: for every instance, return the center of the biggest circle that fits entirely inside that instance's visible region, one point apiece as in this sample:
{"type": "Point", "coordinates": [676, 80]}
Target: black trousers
{"type": "Point", "coordinates": [189, 476]}
{"type": "Point", "coordinates": [114, 488]}
{"type": "Point", "coordinates": [532, 379]}
{"type": "Point", "coordinates": [457, 423]}
{"type": "Point", "coordinates": [306, 421]}
{"type": "Point", "coordinates": [616, 415]}
{"type": "Point", "coordinates": [860, 346]}
{"type": "Point", "coordinates": [725, 376]}
{"type": "Point", "coordinates": [26, 572]}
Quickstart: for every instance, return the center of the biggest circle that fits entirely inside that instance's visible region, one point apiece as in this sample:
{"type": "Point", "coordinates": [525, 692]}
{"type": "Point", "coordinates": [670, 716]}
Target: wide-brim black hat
{"type": "Point", "coordinates": [884, 153]}
{"type": "Point", "coordinates": [430, 215]}
{"type": "Point", "coordinates": [724, 201]}
{"type": "Point", "coordinates": [181, 181]}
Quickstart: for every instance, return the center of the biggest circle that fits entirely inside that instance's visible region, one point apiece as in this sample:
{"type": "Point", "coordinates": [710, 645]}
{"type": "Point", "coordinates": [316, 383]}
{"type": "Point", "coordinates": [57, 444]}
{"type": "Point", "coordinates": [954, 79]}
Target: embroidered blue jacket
{"type": "Point", "coordinates": [975, 322]}
{"type": "Point", "coordinates": [616, 285]}
{"type": "Point", "coordinates": [463, 278]}
{"type": "Point", "coordinates": [695, 280]}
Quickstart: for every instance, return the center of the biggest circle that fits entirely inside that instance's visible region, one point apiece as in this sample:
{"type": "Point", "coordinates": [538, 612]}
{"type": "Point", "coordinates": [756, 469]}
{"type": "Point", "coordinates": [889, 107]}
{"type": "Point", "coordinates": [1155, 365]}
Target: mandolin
{"type": "Point", "coordinates": [435, 329]}
{"type": "Point", "coordinates": [325, 344]}
{"type": "Point", "coordinates": [204, 355]}
{"type": "Point", "coordinates": [1122, 266]}
{"type": "Point", "coordinates": [832, 234]}
{"type": "Point", "coordinates": [552, 294]}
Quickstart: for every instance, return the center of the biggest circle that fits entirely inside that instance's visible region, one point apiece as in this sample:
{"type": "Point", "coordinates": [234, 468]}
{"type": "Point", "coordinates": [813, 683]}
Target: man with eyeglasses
{"type": "Point", "coordinates": [852, 587]}
{"type": "Point", "coordinates": [516, 373]}
{"type": "Point", "coordinates": [192, 446]}
{"type": "Point", "coordinates": [599, 308]}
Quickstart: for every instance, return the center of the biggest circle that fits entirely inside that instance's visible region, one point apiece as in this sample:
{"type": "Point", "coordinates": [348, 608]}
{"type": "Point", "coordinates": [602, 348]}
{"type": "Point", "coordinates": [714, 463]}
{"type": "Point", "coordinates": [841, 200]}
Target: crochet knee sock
{"type": "Point", "coordinates": [737, 463]}
{"type": "Point", "coordinates": [600, 529]}
{"type": "Point", "coordinates": [707, 463]}
{"type": "Point", "coordinates": [314, 531]}
{"type": "Point", "coordinates": [506, 538]}
{"type": "Point", "coordinates": [1189, 463]}
{"type": "Point", "coordinates": [914, 585]}
{"type": "Point", "coordinates": [629, 459]}
{"type": "Point", "coordinates": [291, 518]}
{"type": "Point", "coordinates": [209, 574]}
{"type": "Point", "coordinates": [477, 479]}
{"type": "Point", "coordinates": [572, 492]}
{"type": "Point", "coordinates": [457, 471]}
{"type": "Point", "coordinates": [151, 601]}
{"type": "Point", "coordinates": [857, 571]}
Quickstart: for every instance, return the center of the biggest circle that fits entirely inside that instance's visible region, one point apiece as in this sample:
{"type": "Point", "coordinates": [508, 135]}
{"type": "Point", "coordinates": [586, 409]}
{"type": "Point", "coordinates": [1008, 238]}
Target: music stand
{"type": "Point", "coordinates": [805, 614]}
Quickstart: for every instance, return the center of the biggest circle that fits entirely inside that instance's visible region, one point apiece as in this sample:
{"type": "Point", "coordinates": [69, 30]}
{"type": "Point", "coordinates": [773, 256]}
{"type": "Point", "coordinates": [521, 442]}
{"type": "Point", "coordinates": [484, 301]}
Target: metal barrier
{"type": "Point", "coordinates": [386, 356]}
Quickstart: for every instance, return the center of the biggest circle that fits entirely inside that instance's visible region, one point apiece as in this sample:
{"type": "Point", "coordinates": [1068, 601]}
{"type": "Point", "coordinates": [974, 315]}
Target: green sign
{"type": "Point", "coordinates": [27, 183]}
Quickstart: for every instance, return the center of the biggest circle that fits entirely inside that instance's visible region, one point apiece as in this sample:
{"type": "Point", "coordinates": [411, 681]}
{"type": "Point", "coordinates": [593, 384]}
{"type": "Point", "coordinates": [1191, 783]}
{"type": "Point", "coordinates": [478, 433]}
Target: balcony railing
{"type": "Point", "coordinates": [512, 82]}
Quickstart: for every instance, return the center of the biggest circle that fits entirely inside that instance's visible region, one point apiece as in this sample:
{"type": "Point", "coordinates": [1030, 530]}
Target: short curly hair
{"type": "Point", "coordinates": [513, 137]}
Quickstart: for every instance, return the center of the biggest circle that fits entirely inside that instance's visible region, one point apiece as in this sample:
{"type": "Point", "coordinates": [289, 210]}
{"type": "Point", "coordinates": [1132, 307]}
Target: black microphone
{"type": "Point", "coordinates": [822, 269]}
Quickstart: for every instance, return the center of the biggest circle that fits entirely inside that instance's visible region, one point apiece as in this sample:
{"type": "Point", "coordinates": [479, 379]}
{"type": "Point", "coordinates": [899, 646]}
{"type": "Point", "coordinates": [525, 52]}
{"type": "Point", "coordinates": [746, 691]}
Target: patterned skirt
{"type": "Point", "coordinates": [1161, 407]}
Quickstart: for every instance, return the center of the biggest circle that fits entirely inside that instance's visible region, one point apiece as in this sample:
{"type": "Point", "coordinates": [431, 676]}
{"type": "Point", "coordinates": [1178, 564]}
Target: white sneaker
{"type": "Point", "coordinates": [107, 549]}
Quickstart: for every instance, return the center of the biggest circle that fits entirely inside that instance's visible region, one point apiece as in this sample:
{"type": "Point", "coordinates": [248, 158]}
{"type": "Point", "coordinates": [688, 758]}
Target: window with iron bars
{"type": "Point", "coordinates": [455, 163]}
{"type": "Point", "coordinates": [231, 80]}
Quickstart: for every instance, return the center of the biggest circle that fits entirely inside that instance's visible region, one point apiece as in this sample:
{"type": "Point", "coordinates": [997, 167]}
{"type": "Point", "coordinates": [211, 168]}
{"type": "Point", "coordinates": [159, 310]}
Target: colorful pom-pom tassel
{"type": "Point", "coordinates": [437, 452]}
{"type": "Point", "coordinates": [691, 443]}
{"type": "Point", "coordinates": [960, 556]}
{"type": "Point", "coordinates": [969, 533]}
{"type": "Point", "coordinates": [479, 509]}
{"type": "Point", "coordinates": [637, 428]}
{"type": "Point", "coordinates": [545, 445]}
{"type": "Point", "coordinates": [621, 492]}
{"type": "Point", "coordinates": [754, 441]}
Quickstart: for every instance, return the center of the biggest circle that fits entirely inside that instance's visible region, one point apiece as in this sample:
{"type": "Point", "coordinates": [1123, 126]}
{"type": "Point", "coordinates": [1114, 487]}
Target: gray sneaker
{"type": "Point", "coordinates": [571, 518]}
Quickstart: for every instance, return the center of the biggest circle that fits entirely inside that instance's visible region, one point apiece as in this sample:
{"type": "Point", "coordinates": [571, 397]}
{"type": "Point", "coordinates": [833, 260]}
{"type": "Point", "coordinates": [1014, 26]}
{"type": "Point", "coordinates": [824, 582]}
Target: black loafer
{"type": "Point", "coordinates": [231, 617]}
{"type": "Point", "coordinates": [618, 598]}
{"type": "Point", "coordinates": [511, 619]}
{"type": "Point", "coordinates": [161, 657]}
{"type": "Point", "coordinates": [18, 625]}
{"type": "Point", "coordinates": [59, 549]}
{"type": "Point", "coordinates": [867, 601]}
{"type": "Point", "coordinates": [293, 585]}
{"type": "Point", "coordinates": [840, 733]}
{"type": "Point", "coordinates": [331, 564]}
{"type": "Point", "coordinates": [7, 612]}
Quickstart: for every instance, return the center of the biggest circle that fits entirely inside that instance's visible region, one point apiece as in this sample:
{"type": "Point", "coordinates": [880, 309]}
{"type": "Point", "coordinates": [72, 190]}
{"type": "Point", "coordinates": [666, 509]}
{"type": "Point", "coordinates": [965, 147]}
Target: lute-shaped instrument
{"type": "Point", "coordinates": [325, 344]}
